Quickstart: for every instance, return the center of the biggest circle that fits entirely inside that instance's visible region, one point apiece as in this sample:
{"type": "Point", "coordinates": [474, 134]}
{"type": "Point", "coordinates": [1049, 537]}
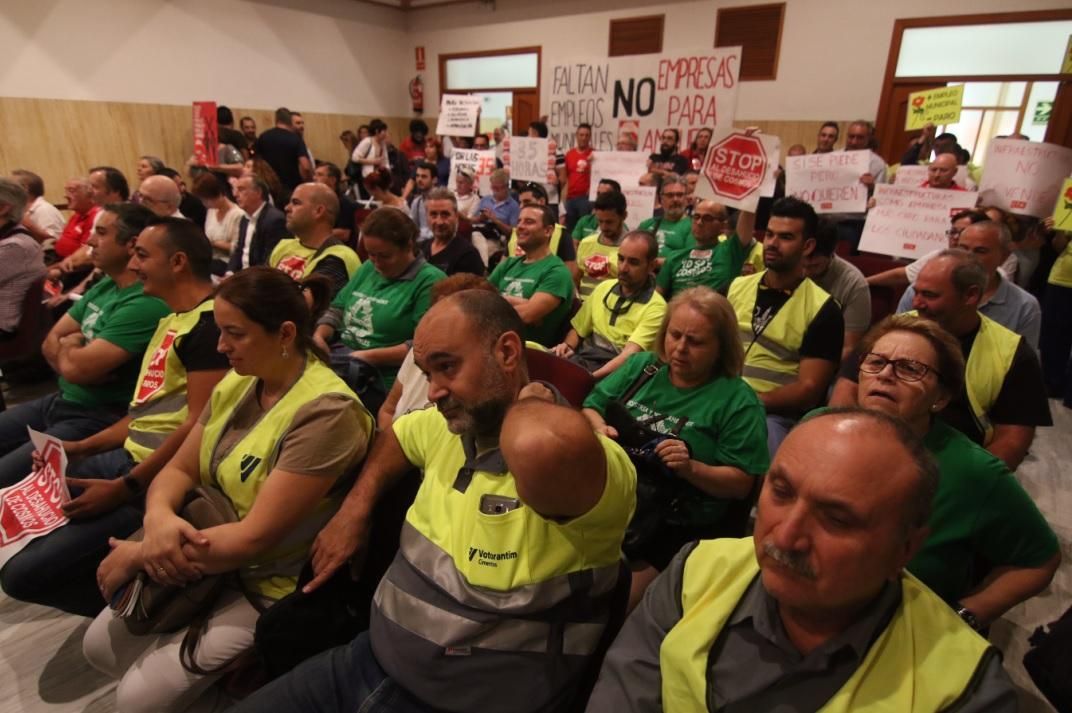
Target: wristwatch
{"type": "Point", "coordinates": [132, 484]}
{"type": "Point", "coordinates": [969, 617]}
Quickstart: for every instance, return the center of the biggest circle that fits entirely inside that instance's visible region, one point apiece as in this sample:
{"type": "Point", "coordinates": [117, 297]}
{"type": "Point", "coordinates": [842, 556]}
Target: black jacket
{"type": "Point", "coordinates": [271, 228]}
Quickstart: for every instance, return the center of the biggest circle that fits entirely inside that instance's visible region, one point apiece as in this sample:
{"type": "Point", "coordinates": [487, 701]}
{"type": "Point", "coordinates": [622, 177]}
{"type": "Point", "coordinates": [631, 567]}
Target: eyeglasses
{"type": "Point", "coordinates": [904, 369]}
{"type": "Point", "coordinates": [707, 218]}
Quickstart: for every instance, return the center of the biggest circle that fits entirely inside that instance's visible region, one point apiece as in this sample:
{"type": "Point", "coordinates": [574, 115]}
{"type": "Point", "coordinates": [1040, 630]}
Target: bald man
{"type": "Point", "coordinates": [160, 195]}
{"type": "Point", "coordinates": [941, 172]}
{"type": "Point", "coordinates": [311, 215]}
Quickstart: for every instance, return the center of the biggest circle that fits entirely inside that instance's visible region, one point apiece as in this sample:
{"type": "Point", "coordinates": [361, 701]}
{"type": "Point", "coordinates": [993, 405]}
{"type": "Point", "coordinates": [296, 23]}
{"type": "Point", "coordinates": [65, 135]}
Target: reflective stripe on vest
{"type": "Point", "coordinates": [298, 261]}
{"type": "Point", "coordinates": [240, 471]}
{"type": "Point", "coordinates": [773, 359]}
{"type": "Point", "coordinates": [922, 662]}
{"type": "Point", "coordinates": [159, 404]}
{"type": "Point", "coordinates": [987, 365]}
{"type": "Point", "coordinates": [512, 250]}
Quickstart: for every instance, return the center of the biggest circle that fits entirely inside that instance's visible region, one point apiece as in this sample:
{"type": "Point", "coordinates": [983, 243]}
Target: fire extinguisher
{"type": "Point", "coordinates": [416, 94]}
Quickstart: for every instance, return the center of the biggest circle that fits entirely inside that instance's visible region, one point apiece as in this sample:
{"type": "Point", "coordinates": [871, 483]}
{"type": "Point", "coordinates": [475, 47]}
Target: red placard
{"type": "Point", "coordinates": [736, 166]}
{"type": "Point", "coordinates": [420, 58]}
{"type": "Point", "coordinates": [206, 134]}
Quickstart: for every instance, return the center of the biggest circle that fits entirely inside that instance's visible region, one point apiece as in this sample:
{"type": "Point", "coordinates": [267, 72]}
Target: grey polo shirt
{"type": "Point", "coordinates": [752, 665]}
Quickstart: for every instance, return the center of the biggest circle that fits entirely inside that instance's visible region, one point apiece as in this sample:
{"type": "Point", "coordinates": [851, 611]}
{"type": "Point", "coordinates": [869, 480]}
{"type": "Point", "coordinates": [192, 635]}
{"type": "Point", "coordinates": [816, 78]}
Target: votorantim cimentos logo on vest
{"type": "Point", "coordinates": [248, 465]}
{"type": "Point", "coordinates": [490, 559]}
{"type": "Point", "coordinates": [153, 380]}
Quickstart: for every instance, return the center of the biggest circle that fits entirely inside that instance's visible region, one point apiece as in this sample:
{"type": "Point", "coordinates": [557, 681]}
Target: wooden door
{"type": "Point", "coordinates": [526, 109]}
{"type": "Point", "coordinates": [1060, 129]}
{"type": "Point", "coordinates": [893, 140]}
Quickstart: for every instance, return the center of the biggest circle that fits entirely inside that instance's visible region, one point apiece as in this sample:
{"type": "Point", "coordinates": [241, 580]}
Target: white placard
{"type": "Point", "coordinates": [830, 182]}
{"type": "Point", "coordinates": [916, 175]}
{"type": "Point", "coordinates": [910, 221]}
{"type": "Point", "coordinates": [481, 163]}
{"type": "Point", "coordinates": [625, 167]}
{"type": "Point", "coordinates": [639, 203]}
{"type": "Point", "coordinates": [738, 172]}
{"type": "Point", "coordinates": [1024, 177]}
{"type": "Point", "coordinates": [685, 89]}
{"type": "Point", "coordinates": [458, 115]}
{"type": "Point", "coordinates": [33, 506]}
{"type": "Point", "coordinates": [529, 159]}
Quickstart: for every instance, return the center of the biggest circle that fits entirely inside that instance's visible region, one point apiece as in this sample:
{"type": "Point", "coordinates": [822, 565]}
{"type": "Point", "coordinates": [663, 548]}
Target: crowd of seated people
{"type": "Point", "coordinates": [302, 338]}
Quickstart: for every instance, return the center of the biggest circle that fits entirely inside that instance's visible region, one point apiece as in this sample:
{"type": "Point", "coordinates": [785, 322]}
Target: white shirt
{"type": "Point", "coordinates": [370, 149]}
{"type": "Point", "coordinates": [47, 217]}
{"type": "Point", "coordinates": [249, 236]}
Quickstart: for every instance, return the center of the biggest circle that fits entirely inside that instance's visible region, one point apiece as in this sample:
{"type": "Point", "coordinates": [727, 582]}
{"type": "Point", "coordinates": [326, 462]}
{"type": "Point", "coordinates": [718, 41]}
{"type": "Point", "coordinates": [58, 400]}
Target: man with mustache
{"type": "Point", "coordinates": [792, 329]}
{"type": "Point", "coordinates": [816, 611]}
{"type": "Point", "coordinates": [509, 557]}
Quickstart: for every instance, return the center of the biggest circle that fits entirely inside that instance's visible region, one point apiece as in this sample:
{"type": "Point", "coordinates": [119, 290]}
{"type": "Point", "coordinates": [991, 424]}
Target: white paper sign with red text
{"type": "Point", "coordinates": [1024, 177]}
{"type": "Point", "coordinates": [625, 167]}
{"type": "Point", "coordinates": [33, 506]}
{"type": "Point", "coordinates": [479, 163]}
{"type": "Point", "coordinates": [530, 159]}
{"type": "Point", "coordinates": [830, 182]}
{"type": "Point", "coordinates": [739, 169]}
{"type": "Point", "coordinates": [909, 221]}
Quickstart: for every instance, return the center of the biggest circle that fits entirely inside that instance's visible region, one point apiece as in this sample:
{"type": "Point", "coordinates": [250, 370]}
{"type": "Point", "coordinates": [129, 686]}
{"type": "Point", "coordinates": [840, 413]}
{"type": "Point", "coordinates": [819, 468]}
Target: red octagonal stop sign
{"type": "Point", "coordinates": [735, 166]}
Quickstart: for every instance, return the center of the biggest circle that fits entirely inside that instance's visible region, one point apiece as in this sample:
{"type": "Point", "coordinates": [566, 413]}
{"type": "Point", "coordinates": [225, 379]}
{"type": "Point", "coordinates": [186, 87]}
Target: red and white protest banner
{"type": "Point", "coordinates": [830, 182]}
{"type": "Point", "coordinates": [33, 506]}
{"type": "Point", "coordinates": [910, 221]}
{"type": "Point", "coordinates": [206, 134]}
{"type": "Point", "coordinates": [1024, 177]}
{"type": "Point", "coordinates": [480, 163]}
{"type": "Point", "coordinates": [739, 168]}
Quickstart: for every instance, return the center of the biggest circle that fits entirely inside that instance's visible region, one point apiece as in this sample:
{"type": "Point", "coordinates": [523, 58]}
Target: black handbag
{"type": "Point", "coordinates": [1049, 662]}
{"type": "Point", "coordinates": [659, 494]}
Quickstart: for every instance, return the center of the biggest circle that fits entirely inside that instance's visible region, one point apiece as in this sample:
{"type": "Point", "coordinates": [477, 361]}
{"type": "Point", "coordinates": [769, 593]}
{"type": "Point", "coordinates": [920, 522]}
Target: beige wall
{"type": "Point", "coordinates": [60, 138]}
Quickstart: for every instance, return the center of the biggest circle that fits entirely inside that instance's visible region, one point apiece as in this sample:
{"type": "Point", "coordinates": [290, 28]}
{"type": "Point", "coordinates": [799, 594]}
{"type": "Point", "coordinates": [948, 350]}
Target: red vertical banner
{"type": "Point", "coordinates": [420, 58]}
{"type": "Point", "coordinates": [206, 134]}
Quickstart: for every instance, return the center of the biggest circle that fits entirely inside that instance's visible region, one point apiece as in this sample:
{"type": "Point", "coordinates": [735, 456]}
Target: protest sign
{"type": "Point", "coordinates": [458, 115]}
{"type": "Point", "coordinates": [33, 506]}
{"type": "Point", "coordinates": [1062, 212]}
{"type": "Point", "coordinates": [910, 221]}
{"type": "Point", "coordinates": [1024, 176]}
{"type": "Point", "coordinates": [206, 134]}
{"type": "Point", "coordinates": [934, 106]}
{"type": "Point", "coordinates": [529, 159]}
{"type": "Point", "coordinates": [639, 203]}
{"type": "Point", "coordinates": [625, 167]}
{"type": "Point", "coordinates": [686, 90]}
{"type": "Point", "coordinates": [481, 163]}
{"type": "Point", "coordinates": [1066, 63]}
{"type": "Point", "coordinates": [739, 168]}
{"type": "Point", "coordinates": [916, 175]}
{"type": "Point", "coordinates": [830, 182]}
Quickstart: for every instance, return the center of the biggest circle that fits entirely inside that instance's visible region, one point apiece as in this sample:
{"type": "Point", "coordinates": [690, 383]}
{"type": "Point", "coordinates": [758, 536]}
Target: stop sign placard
{"type": "Point", "coordinates": [736, 166]}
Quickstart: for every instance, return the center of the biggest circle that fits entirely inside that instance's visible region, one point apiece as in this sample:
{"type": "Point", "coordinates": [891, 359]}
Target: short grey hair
{"type": "Point", "coordinates": [673, 179]}
{"type": "Point", "coordinates": [968, 272]}
{"type": "Point", "coordinates": [155, 162]}
{"type": "Point", "coordinates": [442, 194]}
{"type": "Point", "coordinates": [1004, 234]}
{"type": "Point", "coordinates": [14, 195]}
{"type": "Point", "coordinates": [499, 175]}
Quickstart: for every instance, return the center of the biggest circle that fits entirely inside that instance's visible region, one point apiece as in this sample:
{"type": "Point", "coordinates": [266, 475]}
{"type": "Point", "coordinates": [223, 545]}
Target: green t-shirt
{"type": "Point", "coordinates": [982, 518]}
{"type": "Point", "coordinates": [726, 425]}
{"type": "Point", "coordinates": [379, 312]}
{"type": "Point", "coordinates": [671, 236]}
{"type": "Point", "coordinates": [513, 277]}
{"type": "Point", "coordinates": [124, 317]}
{"type": "Point", "coordinates": [713, 267]}
{"type": "Point", "coordinates": [587, 225]}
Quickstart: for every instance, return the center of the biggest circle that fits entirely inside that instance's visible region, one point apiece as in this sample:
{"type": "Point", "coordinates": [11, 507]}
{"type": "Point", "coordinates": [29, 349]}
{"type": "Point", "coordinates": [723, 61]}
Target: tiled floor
{"type": "Point", "coordinates": [42, 669]}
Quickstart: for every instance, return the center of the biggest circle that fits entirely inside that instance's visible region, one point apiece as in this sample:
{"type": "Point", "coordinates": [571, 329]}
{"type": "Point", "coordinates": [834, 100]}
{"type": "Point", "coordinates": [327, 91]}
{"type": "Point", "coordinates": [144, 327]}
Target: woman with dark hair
{"type": "Point", "coordinates": [697, 150]}
{"type": "Point", "coordinates": [704, 430]}
{"type": "Point", "coordinates": [372, 318]}
{"type": "Point", "coordinates": [989, 548]}
{"type": "Point", "coordinates": [268, 440]}
{"type": "Point", "coordinates": [378, 186]}
{"type": "Point", "coordinates": [222, 219]}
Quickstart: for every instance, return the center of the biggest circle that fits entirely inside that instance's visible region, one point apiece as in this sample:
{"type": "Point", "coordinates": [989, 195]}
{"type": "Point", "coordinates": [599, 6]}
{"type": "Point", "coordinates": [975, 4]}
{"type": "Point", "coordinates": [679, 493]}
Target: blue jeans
{"type": "Point", "coordinates": [576, 208]}
{"type": "Point", "coordinates": [59, 570]}
{"type": "Point", "coordinates": [346, 679]}
{"type": "Point", "coordinates": [778, 427]}
{"type": "Point", "coordinates": [52, 415]}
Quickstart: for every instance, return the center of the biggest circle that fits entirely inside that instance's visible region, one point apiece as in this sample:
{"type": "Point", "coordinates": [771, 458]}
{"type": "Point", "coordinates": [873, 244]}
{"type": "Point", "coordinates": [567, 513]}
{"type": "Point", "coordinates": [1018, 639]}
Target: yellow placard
{"type": "Point", "coordinates": [934, 106]}
{"type": "Point", "coordinates": [1066, 66]}
{"type": "Point", "coordinates": [1062, 213]}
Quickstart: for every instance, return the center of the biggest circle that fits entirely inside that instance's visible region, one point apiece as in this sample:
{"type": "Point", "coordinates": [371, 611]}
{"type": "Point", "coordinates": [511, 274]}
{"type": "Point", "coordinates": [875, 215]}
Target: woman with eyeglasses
{"type": "Point", "coordinates": [989, 548]}
{"type": "Point", "coordinates": [703, 444]}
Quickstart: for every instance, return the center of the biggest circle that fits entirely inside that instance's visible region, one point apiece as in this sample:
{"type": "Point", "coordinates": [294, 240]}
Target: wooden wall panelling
{"type": "Point", "coordinates": [62, 138]}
